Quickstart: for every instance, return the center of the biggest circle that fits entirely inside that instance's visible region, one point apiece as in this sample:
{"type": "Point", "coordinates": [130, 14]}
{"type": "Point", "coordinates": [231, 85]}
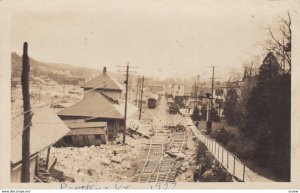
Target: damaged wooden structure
{"type": "Point", "coordinates": [85, 133]}
{"type": "Point", "coordinates": [46, 130]}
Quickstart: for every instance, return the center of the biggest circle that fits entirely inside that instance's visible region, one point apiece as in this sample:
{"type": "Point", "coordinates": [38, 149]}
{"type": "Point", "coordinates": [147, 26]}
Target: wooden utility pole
{"type": "Point", "coordinates": [25, 171]}
{"type": "Point", "coordinates": [48, 158]}
{"type": "Point", "coordinates": [195, 93]}
{"type": "Point", "coordinates": [141, 101]}
{"type": "Point", "coordinates": [211, 97]}
{"type": "Point", "coordinates": [212, 87]}
{"type": "Point", "coordinates": [126, 99]}
{"type": "Point", "coordinates": [125, 113]}
{"type": "Point", "coordinates": [137, 92]}
{"type": "Point", "coordinates": [197, 88]}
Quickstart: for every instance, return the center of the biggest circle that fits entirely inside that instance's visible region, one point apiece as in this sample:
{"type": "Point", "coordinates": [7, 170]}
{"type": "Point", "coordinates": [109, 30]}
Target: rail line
{"type": "Point", "coordinates": [158, 166]}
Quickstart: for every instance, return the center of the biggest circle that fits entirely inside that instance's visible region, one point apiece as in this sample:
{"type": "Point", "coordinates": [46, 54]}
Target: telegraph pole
{"type": "Point", "coordinates": [209, 120]}
{"type": "Point", "coordinates": [141, 101]}
{"type": "Point", "coordinates": [197, 88]}
{"type": "Point", "coordinates": [195, 94]}
{"type": "Point", "coordinates": [126, 82]}
{"type": "Point", "coordinates": [137, 91]}
{"type": "Point", "coordinates": [25, 170]}
{"type": "Point", "coordinates": [125, 113]}
{"type": "Point", "coordinates": [212, 86]}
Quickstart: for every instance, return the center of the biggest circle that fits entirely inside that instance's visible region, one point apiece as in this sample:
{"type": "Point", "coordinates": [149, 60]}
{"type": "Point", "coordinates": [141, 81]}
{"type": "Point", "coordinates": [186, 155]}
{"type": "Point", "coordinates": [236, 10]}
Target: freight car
{"type": "Point", "coordinates": [152, 102]}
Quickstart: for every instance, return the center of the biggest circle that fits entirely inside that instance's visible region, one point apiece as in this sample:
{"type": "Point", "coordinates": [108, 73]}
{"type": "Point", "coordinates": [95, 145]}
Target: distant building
{"type": "Point", "coordinates": [156, 88]}
{"type": "Point", "coordinates": [177, 90]}
{"type": "Point", "coordinates": [46, 130]}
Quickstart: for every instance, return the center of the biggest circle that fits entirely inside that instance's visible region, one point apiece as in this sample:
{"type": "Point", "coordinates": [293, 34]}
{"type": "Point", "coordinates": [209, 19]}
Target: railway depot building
{"type": "Point", "coordinates": [99, 116]}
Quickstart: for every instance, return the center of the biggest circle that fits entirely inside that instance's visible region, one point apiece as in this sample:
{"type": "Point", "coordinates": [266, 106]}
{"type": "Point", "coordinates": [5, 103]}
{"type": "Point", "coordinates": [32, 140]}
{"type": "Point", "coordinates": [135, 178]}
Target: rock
{"type": "Point", "coordinates": [178, 155]}
{"type": "Point", "coordinates": [105, 161]}
{"type": "Point", "coordinates": [117, 159]}
{"type": "Point", "coordinates": [182, 168]}
{"type": "Point", "coordinates": [208, 176]}
{"type": "Point", "coordinates": [185, 164]}
{"type": "Point", "coordinates": [126, 164]}
{"type": "Point", "coordinates": [85, 171]}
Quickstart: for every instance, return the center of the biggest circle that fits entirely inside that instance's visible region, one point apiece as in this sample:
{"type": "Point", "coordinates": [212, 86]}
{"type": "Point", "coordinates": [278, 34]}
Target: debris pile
{"type": "Point", "coordinates": [96, 163]}
{"type": "Point", "coordinates": [140, 129]}
{"type": "Point", "coordinates": [188, 166]}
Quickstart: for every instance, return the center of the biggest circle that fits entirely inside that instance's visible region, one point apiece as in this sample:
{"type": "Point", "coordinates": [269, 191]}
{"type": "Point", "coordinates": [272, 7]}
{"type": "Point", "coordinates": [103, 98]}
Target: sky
{"type": "Point", "coordinates": [166, 38]}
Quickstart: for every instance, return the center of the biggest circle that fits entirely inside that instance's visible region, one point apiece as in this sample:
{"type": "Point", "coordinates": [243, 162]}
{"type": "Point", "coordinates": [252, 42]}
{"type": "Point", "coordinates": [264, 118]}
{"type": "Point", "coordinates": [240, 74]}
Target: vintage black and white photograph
{"type": "Point", "coordinates": [145, 92]}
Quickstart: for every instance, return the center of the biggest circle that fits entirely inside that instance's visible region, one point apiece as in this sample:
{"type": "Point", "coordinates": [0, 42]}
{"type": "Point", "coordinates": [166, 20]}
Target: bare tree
{"type": "Point", "coordinates": [280, 42]}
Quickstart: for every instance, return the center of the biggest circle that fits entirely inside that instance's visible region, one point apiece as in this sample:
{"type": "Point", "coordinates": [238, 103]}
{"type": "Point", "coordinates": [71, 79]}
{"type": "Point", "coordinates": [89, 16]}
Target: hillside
{"type": "Point", "coordinates": [61, 73]}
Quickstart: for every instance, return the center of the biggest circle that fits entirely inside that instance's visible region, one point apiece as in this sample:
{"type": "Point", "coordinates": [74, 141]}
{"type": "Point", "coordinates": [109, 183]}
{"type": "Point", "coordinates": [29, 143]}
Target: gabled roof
{"type": "Point", "coordinates": [94, 104]}
{"type": "Point", "coordinates": [47, 128]}
{"type": "Point", "coordinates": [103, 81]}
{"type": "Point", "coordinates": [131, 109]}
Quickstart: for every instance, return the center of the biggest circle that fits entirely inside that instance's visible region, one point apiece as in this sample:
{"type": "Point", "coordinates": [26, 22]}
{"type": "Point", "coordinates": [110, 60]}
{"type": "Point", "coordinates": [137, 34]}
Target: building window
{"type": "Point", "coordinates": [97, 136]}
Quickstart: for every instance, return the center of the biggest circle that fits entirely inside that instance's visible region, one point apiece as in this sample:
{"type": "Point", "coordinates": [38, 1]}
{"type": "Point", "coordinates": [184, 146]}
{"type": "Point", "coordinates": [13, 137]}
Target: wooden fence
{"type": "Point", "coordinates": [229, 161]}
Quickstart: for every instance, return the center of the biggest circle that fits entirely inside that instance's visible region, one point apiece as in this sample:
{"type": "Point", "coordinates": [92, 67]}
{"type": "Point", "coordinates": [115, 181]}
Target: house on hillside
{"type": "Point", "coordinates": [102, 105]}
{"type": "Point", "coordinates": [46, 130]}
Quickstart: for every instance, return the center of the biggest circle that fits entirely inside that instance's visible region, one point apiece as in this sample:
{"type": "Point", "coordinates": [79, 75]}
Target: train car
{"type": "Point", "coordinates": [152, 102]}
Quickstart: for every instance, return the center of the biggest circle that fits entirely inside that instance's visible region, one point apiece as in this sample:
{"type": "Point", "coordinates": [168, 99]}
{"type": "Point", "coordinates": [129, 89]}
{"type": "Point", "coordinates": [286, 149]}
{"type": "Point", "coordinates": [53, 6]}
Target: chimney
{"type": "Point", "coordinates": [104, 70]}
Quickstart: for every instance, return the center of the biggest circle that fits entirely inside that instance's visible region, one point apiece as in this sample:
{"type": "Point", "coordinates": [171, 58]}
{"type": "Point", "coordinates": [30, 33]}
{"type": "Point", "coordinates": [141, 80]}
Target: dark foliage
{"type": "Point", "coordinates": [223, 136]}
{"type": "Point", "coordinates": [196, 114]}
{"type": "Point", "coordinates": [204, 112]}
{"type": "Point", "coordinates": [268, 117]}
{"type": "Point", "coordinates": [231, 107]}
{"type": "Point", "coordinates": [214, 115]}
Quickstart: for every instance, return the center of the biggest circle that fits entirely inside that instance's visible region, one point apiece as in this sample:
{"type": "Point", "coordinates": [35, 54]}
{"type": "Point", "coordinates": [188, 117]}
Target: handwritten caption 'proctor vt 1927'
{"type": "Point", "coordinates": [119, 186]}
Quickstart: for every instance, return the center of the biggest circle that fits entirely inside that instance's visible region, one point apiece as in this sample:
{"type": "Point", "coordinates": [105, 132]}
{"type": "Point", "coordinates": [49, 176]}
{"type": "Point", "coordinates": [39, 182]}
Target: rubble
{"type": "Point", "coordinates": [97, 163]}
{"type": "Point", "coordinates": [176, 154]}
{"type": "Point", "coordinates": [140, 128]}
{"type": "Point", "coordinates": [117, 159]}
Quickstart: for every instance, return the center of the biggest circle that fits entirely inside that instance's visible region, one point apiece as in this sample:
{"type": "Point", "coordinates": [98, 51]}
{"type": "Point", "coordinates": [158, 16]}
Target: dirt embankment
{"type": "Point", "coordinates": [208, 168]}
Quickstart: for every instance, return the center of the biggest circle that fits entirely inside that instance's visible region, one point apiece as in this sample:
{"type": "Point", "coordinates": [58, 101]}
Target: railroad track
{"type": "Point", "coordinates": [178, 141]}
{"type": "Point", "coordinates": [156, 165]}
